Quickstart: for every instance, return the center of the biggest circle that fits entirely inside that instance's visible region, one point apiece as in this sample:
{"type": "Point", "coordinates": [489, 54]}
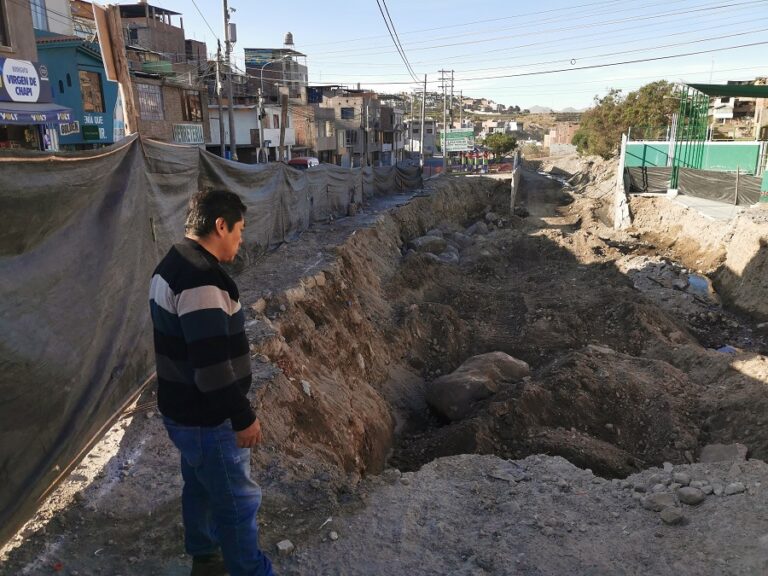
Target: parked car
{"type": "Point", "coordinates": [304, 162]}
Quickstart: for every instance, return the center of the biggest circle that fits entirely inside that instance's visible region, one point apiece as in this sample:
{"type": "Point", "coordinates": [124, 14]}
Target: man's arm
{"type": "Point", "coordinates": [214, 331]}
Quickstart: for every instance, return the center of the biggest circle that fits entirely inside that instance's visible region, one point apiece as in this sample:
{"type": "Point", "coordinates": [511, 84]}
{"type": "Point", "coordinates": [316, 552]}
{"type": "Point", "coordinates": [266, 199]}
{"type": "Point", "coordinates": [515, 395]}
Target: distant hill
{"type": "Point", "coordinates": [540, 110]}
{"type": "Point", "coordinates": [570, 110]}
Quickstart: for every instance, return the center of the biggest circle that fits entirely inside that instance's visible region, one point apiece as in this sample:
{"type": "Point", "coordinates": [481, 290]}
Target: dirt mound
{"type": "Point", "coordinates": [610, 412]}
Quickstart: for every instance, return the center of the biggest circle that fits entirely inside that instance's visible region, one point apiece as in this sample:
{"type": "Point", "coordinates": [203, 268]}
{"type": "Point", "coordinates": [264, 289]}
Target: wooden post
{"type": "Point", "coordinates": [117, 44]}
{"type": "Point", "coordinates": [736, 192]}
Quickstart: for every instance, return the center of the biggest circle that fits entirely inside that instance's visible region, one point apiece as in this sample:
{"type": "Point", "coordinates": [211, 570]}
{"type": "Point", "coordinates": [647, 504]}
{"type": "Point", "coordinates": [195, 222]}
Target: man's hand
{"type": "Point", "coordinates": [249, 437]}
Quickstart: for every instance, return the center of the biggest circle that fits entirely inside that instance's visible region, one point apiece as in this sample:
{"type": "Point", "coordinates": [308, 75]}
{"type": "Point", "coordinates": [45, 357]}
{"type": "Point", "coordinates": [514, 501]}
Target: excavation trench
{"type": "Point", "coordinates": [619, 380]}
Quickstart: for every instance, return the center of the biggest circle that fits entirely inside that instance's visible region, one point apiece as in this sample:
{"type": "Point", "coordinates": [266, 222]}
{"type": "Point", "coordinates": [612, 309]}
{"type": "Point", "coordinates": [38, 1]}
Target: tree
{"type": "Point", "coordinates": [611, 116]}
{"type": "Point", "coordinates": [500, 143]}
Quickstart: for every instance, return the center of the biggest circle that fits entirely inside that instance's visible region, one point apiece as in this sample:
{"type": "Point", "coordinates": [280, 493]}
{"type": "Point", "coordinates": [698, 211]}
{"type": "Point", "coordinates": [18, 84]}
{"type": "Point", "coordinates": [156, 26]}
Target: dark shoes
{"type": "Point", "coordinates": [208, 565]}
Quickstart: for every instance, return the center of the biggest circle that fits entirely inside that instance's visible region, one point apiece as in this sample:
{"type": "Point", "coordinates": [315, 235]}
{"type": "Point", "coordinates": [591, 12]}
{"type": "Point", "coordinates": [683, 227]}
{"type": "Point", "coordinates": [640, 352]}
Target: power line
{"type": "Point", "coordinates": [589, 67]}
{"type": "Point", "coordinates": [376, 50]}
{"type": "Point", "coordinates": [395, 39]}
{"type": "Point", "coordinates": [722, 26]}
{"type": "Point", "coordinates": [194, 3]}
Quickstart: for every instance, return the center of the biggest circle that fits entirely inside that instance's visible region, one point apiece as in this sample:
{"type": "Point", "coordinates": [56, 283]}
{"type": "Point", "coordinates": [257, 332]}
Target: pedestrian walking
{"type": "Point", "coordinates": [204, 375]}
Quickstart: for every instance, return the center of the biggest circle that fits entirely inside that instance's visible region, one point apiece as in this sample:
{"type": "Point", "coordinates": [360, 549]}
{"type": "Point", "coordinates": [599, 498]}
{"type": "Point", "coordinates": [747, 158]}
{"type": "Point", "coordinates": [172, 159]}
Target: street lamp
{"type": "Point", "coordinates": [261, 102]}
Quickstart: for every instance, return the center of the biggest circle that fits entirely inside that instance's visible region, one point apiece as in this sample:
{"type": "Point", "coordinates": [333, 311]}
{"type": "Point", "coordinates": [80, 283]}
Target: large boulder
{"type": "Point", "coordinates": [453, 395]}
{"type": "Point", "coordinates": [433, 244]}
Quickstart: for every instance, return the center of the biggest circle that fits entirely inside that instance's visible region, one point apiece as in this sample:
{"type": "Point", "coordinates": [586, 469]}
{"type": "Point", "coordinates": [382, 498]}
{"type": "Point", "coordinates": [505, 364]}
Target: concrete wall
{"type": "Point", "coordinates": [172, 112]}
{"type": "Point", "coordinates": [19, 32]}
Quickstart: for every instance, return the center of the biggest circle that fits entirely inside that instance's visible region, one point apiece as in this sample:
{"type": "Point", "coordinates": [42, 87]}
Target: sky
{"type": "Point", "coordinates": [548, 53]}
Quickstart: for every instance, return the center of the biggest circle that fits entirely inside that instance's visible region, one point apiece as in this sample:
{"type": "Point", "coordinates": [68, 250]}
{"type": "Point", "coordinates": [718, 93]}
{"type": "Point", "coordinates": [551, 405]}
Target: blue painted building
{"type": "Point", "coordinates": [78, 81]}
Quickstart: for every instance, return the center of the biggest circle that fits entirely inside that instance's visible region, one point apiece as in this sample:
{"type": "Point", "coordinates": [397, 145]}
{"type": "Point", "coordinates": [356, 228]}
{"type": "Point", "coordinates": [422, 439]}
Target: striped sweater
{"type": "Point", "coordinates": [202, 352]}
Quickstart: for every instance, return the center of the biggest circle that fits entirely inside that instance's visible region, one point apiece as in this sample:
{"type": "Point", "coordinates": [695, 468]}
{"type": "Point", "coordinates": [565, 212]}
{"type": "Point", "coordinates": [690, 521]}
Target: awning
{"type": "Point", "coordinates": [34, 113]}
{"type": "Point", "coordinates": [734, 90]}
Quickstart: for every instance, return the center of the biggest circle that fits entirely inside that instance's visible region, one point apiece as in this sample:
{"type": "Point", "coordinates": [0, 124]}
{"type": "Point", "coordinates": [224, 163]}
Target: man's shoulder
{"type": "Point", "coordinates": [185, 267]}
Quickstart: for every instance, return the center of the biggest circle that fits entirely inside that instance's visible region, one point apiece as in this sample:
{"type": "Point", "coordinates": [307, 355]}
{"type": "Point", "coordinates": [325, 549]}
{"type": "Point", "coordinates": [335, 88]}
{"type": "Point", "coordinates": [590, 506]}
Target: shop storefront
{"type": "Point", "coordinates": [29, 118]}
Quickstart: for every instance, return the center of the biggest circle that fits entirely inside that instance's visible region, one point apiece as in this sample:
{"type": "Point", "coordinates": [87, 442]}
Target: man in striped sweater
{"type": "Point", "coordinates": [203, 375]}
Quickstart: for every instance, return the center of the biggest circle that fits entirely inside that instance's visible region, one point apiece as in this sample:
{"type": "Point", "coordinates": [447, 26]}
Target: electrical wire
{"type": "Point", "coordinates": [377, 49]}
{"type": "Point", "coordinates": [395, 39]}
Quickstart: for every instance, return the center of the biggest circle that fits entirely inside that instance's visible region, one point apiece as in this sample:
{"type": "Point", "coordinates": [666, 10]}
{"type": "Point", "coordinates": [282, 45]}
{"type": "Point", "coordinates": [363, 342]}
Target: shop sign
{"type": "Point", "coordinates": [69, 128]}
{"type": "Point", "coordinates": [24, 81]}
{"type": "Point", "coordinates": [91, 132]}
{"type": "Point", "coordinates": [188, 134]}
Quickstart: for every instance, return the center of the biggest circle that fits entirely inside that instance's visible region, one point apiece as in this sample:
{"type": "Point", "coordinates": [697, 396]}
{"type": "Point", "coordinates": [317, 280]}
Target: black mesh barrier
{"type": "Point", "coordinates": [648, 179]}
{"type": "Point", "coordinates": [720, 186]}
{"type": "Point", "coordinates": [82, 233]}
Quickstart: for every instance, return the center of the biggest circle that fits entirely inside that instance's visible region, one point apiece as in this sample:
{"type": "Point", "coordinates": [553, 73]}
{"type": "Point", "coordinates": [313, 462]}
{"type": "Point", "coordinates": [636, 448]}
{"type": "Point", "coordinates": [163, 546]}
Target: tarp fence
{"type": "Point", "coordinates": [82, 233]}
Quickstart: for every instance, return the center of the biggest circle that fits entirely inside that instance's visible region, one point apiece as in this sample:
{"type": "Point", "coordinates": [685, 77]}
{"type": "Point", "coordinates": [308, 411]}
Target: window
{"type": "Point", "coordinates": [416, 130]}
{"type": "Point", "coordinates": [329, 128]}
{"type": "Point", "coordinates": [429, 130]}
{"type": "Point", "coordinates": [150, 101]}
{"type": "Point", "coordinates": [4, 40]}
{"type": "Point", "coordinates": [61, 87]}
{"type": "Point", "coordinates": [69, 80]}
{"type": "Point", "coordinates": [90, 89]}
{"type": "Point", "coordinates": [191, 109]}
{"type": "Point", "coordinates": [276, 121]}
{"type": "Point", "coordinates": [347, 113]}
{"type": "Point", "coordinates": [39, 15]}
{"type": "Point", "coordinates": [350, 137]}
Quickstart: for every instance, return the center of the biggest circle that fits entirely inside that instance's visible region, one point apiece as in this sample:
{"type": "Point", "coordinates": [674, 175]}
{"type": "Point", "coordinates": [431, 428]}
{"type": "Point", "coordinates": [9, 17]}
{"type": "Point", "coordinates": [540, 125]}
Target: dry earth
{"type": "Point", "coordinates": [587, 465]}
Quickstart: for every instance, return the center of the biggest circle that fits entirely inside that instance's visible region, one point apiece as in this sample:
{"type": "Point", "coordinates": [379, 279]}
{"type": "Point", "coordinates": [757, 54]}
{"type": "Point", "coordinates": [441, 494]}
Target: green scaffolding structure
{"type": "Point", "coordinates": [690, 132]}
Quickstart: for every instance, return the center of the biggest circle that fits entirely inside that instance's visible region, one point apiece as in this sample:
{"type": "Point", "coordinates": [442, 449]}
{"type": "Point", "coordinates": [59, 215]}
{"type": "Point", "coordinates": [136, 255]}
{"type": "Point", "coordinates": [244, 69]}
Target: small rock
{"type": "Point", "coordinates": [548, 531]}
{"type": "Point", "coordinates": [672, 515]}
{"type": "Point", "coordinates": [734, 488]}
{"type": "Point", "coordinates": [717, 489]}
{"type": "Point", "coordinates": [707, 490]}
{"type": "Point", "coordinates": [333, 535]}
{"type": "Point", "coordinates": [285, 547]}
{"type": "Point", "coordinates": [307, 388]}
{"type": "Point", "coordinates": [691, 496]}
{"type": "Point", "coordinates": [681, 478]}
{"type": "Point", "coordinates": [658, 501]}
{"type": "Point", "coordinates": [668, 467]}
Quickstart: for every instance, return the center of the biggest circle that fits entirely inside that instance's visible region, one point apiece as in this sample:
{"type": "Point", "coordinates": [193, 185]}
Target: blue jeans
{"type": "Point", "coordinates": [219, 500]}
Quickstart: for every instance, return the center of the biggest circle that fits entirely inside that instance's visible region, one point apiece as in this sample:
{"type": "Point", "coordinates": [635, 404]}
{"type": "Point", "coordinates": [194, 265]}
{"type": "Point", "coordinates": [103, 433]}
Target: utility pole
{"type": "Point", "coordinates": [283, 122]}
{"type": "Point", "coordinates": [218, 98]}
{"type": "Point", "coordinates": [421, 133]}
{"type": "Point", "coordinates": [451, 99]}
{"type": "Point", "coordinates": [461, 109]}
{"type": "Point", "coordinates": [261, 126]}
{"type": "Point", "coordinates": [444, 133]}
{"type": "Point", "coordinates": [230, 99]}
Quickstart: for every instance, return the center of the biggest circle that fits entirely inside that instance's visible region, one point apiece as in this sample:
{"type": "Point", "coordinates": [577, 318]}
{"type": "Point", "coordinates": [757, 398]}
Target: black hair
{"type": "Point", "coordinates": [208, 205]}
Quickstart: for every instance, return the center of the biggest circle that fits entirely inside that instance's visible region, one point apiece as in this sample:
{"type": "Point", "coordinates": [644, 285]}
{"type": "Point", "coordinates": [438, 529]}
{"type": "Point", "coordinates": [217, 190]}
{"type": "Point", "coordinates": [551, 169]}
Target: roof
{"type": "Point", "coordinates": [139, 10]}
{"type": "Point", "coordinates": [735, 90]}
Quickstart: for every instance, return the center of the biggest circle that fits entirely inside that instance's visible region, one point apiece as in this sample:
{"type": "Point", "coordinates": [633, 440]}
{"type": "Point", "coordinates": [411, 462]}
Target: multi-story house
{"type": "Point", "coordinates": [392, 132]}
{"type": "Point", "coordinates": [357, 116]}
{"type": "Point", "coordinates": [413, 132]}
{"type": "Point", "coordinates": [79, 82]}
{"type": "Point", "coordinates": [171, 98]}
{"type": "Point", "coordinates": [29, 117]}
{"type": "Point", "coordinates": [739, 118]}
{"type": "Point", "coordinates": [272, 71]}
{"type": "Point", "coordinates": [315, 128]}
